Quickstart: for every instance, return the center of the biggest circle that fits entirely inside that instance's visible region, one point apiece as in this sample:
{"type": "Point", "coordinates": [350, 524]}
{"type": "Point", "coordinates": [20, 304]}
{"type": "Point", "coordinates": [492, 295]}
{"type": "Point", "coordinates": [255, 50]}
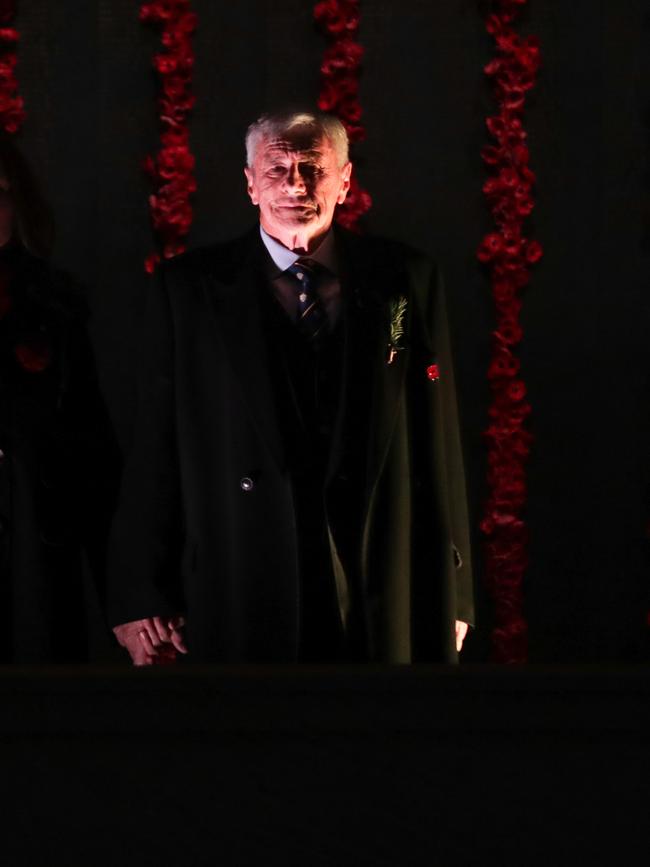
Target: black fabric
{"type": "Point", "coordinates": [308, 396]}
{"type": "Point", "coordinates": [324, 420]}
{"type": "Point", "coordinates": [210, 507]}
{"type": "Point", "coordinates": [58, 469]}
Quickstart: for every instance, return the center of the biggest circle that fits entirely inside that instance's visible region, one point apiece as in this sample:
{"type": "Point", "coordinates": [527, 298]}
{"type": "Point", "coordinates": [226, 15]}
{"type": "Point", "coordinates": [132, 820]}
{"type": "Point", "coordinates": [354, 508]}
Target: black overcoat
{"type": "Point", "coordinates": [206, 524]}
{"type": "Point", "coordinates": [58, 467]}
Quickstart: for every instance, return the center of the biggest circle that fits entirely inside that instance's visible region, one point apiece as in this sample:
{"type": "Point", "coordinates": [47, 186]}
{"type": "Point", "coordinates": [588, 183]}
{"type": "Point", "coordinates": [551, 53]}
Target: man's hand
{"type": "Point", "coordinates": [461, 632]}
{"type": "Point", "coordinates": [152, 641]}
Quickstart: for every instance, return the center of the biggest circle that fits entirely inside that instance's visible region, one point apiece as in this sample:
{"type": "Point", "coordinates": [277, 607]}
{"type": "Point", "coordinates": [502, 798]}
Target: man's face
{"type": "Point", "coordinates": [297, 182]}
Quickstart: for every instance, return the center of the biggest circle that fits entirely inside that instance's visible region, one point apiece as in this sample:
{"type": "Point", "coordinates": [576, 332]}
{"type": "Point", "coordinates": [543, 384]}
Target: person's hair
{"type": "Point", "coordinates": [33, 221]}
{"type": "Point", "coordinates": [315, 123]}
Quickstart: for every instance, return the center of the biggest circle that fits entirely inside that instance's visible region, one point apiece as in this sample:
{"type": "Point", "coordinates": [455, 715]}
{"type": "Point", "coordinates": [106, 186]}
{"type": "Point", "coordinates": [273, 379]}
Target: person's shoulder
{"type": "Point", "coordinates": [386, 253]}
{"type": "Point", "coordinates": [383, 249]}
{"type": "Point", "coordinates": [222, 260]}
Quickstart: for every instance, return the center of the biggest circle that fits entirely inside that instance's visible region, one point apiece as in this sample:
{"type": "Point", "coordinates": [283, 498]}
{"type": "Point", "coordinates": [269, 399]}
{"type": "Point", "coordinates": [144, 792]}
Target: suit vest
{"type": "Point", "coordinates": [324, 448]}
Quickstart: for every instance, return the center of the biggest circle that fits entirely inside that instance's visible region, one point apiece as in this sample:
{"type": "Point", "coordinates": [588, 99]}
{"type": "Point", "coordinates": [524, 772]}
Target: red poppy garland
{"type": "Point", "coordinates": [172, 169]}
{"type": "Point", "coordinates": [12, 112]}
{"type": "Point", "coordinates": [339, 91]}
{"type": "Point", "coordinates": [509, 255]}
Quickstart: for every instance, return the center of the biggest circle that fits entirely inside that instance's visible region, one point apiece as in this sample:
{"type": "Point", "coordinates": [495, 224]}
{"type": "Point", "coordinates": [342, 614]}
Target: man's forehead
{"type": "Point", "coordinates": [301, 142]}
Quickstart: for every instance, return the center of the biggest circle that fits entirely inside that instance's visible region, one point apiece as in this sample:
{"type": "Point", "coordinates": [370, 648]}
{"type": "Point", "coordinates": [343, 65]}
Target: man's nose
{"type": "Point", "coordinates": [295, 181]}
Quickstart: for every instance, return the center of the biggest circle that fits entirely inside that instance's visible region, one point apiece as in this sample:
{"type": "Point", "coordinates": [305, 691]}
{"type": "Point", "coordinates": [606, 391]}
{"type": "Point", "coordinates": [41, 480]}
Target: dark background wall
{"type": "Point", "coordinates": [90, 92]}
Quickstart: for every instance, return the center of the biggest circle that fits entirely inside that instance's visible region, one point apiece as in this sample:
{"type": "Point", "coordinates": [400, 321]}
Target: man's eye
{"type": "Point", "coordinates": [276, 170]}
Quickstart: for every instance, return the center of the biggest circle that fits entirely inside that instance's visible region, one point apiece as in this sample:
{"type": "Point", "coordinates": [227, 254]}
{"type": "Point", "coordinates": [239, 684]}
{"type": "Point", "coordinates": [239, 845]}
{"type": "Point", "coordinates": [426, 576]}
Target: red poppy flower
{"type": "Point", "coordinates": [165, 63]}
{"type": "Point", "coordinates": [509, 177]}
{"type": "Point", "coordinates": [7, 66]}
{"type": "Point", "coordinates": [175, 160]}
{"type": "Point", "coordinates": [490, 246]}
{"type": "Point", "coordinates": [493, 67]}
{"type": "Point", "coordinates": [509, 331]}
{"type": "Point", "coordinates": [151, 262]}
{"type": "Point", "coordinates": [494, 24]}
{"type": "Point", "coordinates": [433, 372]}
{"type": "Point", "coordinates": [534, 251]}
{"type": "Point", "coordinates": [504, 290]}
{"type": "Point", "coordinates": [503, 365]}
{"type": "Point", "coordinates": [337, 16]}
{"type": "Point", "coordinates": [493, 188]}
{"type": "Point", "coordinates": [492, 155]}
{"type": "Point", "coordinates": [343, 56]}
{"type": "Point", "coordinates": [507, 41]}
{"type": "Point", "coordinates": [175, 137]}
{"type": "Point", "coordinates": [496, 125]}
{"type": "Point", "coordinates": [355, 131]}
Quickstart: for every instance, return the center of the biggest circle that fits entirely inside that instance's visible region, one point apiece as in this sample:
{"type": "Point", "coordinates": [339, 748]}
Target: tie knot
{"type": "Point", "coordinates": [305, 270]}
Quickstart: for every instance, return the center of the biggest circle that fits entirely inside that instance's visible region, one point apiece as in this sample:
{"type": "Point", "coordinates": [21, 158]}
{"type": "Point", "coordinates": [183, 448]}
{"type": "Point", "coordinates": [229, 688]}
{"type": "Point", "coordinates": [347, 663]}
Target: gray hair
{"type": "Point", "coordinates": [277, 125]}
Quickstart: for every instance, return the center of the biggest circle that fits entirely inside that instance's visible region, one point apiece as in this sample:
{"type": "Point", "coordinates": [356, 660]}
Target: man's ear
{"type": "Point", "coordinates": [346, 173]}
{"type": "Point", "coordinates": [250, 185]}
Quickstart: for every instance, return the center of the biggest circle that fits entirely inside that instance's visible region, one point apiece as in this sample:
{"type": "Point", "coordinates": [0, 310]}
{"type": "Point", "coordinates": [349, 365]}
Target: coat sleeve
{"type": "Point", "coordinates": [147, 535]}
{"type": "Point", "coordinates": [454, 463]}
{"type": "Point", "coordinates": [448, 447]}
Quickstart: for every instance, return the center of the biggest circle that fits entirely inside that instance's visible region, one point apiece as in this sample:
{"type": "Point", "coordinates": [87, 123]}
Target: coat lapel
{"type": "Point", "coordinates": [370, 285]}
{"type": "Point", "coordinates": [237, 305]}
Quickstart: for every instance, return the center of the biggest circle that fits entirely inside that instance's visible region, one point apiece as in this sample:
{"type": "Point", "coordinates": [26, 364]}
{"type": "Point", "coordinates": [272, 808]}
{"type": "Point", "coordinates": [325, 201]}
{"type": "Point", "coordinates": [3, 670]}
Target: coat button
{"type": "Point", "coordinates": [246, 484]}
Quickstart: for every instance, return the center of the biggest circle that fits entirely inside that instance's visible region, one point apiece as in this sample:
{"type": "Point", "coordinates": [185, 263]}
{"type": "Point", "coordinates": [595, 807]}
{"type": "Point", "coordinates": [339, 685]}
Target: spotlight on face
{"type": "Point", "coordinates": [296, 181]}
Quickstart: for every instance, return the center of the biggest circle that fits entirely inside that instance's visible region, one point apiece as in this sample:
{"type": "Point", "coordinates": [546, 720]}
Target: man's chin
{"type": "Point", "coordinates": [295, 216]}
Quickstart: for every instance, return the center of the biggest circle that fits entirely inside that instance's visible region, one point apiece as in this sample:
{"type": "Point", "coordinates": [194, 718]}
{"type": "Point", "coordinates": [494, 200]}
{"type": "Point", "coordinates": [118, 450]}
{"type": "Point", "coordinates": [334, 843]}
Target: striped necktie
{"type": "Point", "coordinates": [311, 318]}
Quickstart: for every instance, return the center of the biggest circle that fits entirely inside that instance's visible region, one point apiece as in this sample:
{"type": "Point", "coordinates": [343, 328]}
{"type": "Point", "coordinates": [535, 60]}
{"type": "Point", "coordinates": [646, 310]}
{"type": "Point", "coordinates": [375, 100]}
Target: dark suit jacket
{"type": "Point", "coordinates": [206, 523]}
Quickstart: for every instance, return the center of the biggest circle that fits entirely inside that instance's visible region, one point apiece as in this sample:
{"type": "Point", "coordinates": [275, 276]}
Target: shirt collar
{"type": "Point", "coordinates": [283, 257]}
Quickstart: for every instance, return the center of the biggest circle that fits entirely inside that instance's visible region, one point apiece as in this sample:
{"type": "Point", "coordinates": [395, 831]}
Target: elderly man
{"type": "Point", "coordinates": [295, 491]}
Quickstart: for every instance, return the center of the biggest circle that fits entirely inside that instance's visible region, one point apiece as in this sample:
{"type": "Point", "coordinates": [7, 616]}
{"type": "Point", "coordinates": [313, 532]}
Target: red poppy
{"type": "Point", "coordinates": [356, 204]}
{"type": "Point", "coordinates": [341, 57]}
{"type": "Point", "coordinates": [337, 16]}
{"type": "Point", "coordinates": [534, 251]}
{"type": "Point", "coordinates": [505, 364]}
{"type": "Point", "coordinates": [151, 262]}
{"type": "Point", "coordinates": [509, 177]}
{"type": "Point", "coordinates": [492, 155]}
{"type": "Point", "coordinates": [490, 246]}
{"type": "Point", "coordinates": [509, 331]}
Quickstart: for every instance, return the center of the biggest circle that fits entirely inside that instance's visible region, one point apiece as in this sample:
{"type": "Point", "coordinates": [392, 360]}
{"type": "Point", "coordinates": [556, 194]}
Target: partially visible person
{"type": "Point", "coordinates": [58, 459]}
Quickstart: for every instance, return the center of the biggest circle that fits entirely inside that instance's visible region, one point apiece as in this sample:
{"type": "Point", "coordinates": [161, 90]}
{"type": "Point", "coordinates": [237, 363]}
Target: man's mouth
{"type": "Point", "coordinates": [296, 206]}
{"type": "Point", "coordinates": [296, 211]}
